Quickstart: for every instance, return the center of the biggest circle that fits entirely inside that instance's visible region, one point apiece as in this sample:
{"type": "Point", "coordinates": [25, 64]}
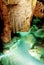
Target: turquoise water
{"type": "Point", "coordinates": [19, 55]}
{"type": "Point", "coordinates": [18, 51]}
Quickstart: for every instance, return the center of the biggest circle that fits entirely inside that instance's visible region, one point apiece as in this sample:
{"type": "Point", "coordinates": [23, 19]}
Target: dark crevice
{"type": "Point", "coordinates": [1, 31]}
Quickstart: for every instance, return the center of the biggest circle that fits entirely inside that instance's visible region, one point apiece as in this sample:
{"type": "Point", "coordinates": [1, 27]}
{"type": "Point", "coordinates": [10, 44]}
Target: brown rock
{"type": "Point", "coordinates": [6, 34]}
{"type": "Point", "coordinates": [21, 14]}
{"type": "Point", "coordinates": [39, 10]}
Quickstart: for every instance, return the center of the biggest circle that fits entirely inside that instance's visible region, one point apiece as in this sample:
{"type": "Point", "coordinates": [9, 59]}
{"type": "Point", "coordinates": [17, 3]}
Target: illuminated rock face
{"type": "Point", "coordinates": [20, 12]}
{"type": "Point", "coordinates": [20, 15]}
{"type": "Point", "coordinates": [11, 1]}
{"type": "Point", "coordinates": [39, 10]}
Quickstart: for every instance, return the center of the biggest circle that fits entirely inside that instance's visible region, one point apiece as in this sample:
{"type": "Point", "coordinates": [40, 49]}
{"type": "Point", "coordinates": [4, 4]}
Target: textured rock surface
{"type": "Point", "coordinates": [39, 10]}
{"type": "Point", "coordinates": [20, 12]}
{"type": "Point", "coordinates": [6, 34]}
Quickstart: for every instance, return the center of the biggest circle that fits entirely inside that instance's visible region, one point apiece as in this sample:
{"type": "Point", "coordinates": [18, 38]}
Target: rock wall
{"type": "Point", "coordinates": [20, 12]}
